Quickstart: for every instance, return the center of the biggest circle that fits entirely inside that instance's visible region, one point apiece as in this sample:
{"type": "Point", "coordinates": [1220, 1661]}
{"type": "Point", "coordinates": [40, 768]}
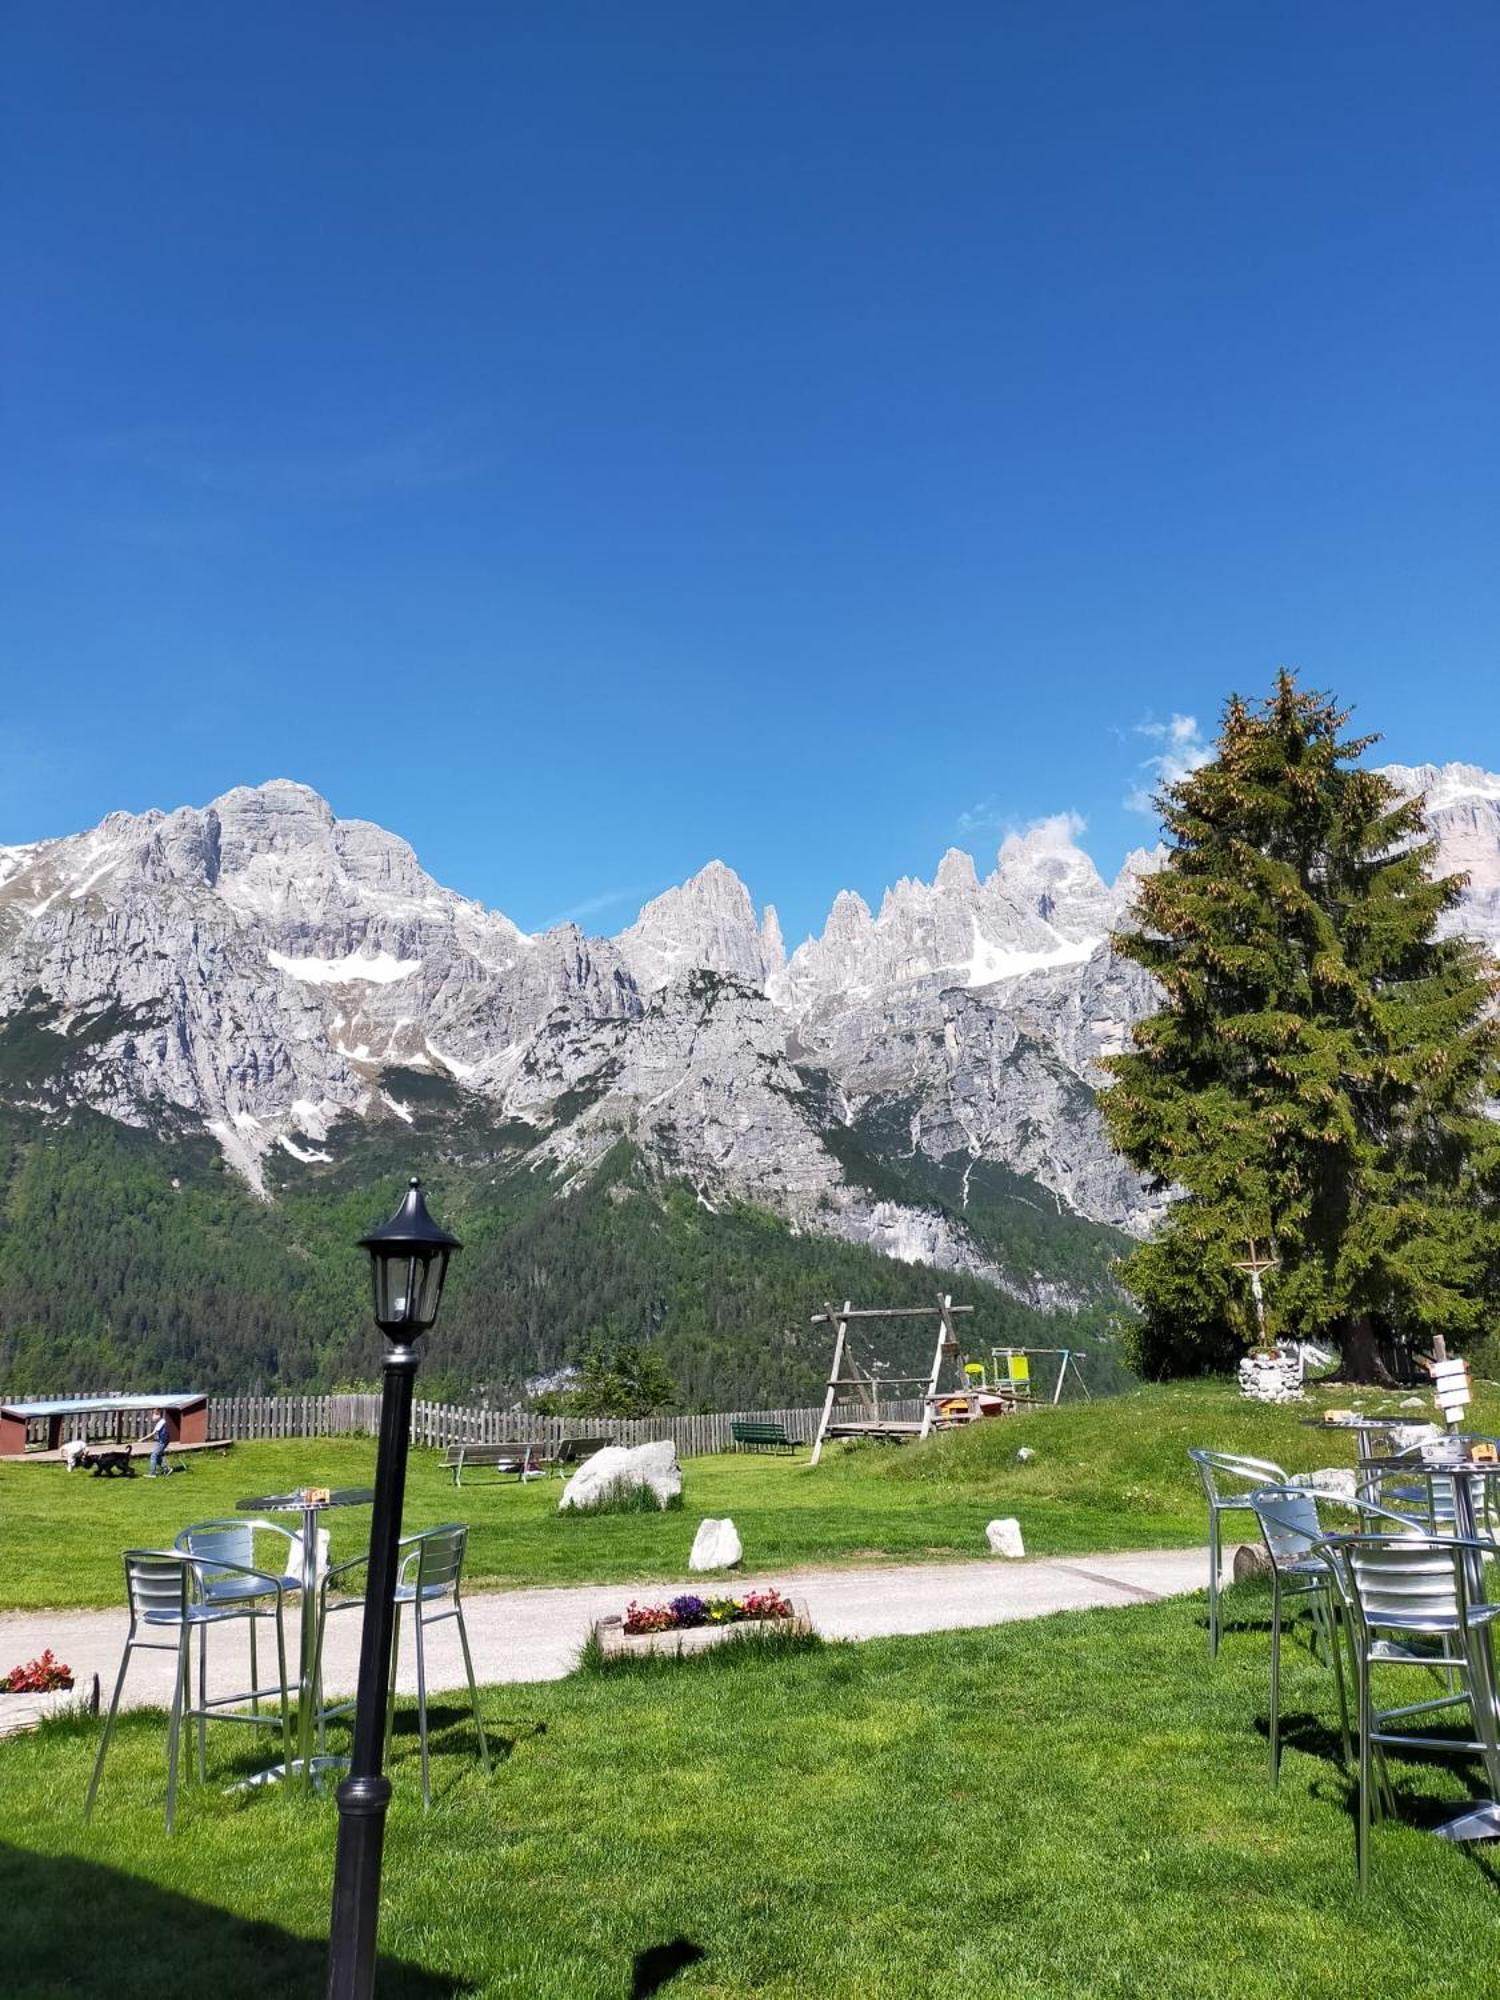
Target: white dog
{"type": "Point", "coordinates": [74, 1450]}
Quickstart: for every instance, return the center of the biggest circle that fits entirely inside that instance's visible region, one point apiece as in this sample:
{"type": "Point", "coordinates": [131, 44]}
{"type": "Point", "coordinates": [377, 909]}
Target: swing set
{"type": "Point", "coordinates": [851, 1404]}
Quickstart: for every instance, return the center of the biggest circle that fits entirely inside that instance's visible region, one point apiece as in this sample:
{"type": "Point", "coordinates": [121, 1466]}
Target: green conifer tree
{"type": "Point", "coordinates": [1318, 1075]}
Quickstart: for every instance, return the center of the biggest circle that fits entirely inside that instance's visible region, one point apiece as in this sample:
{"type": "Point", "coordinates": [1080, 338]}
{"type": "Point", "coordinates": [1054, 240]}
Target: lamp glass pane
{"type": "Point", "coordinates": [430, 1286]}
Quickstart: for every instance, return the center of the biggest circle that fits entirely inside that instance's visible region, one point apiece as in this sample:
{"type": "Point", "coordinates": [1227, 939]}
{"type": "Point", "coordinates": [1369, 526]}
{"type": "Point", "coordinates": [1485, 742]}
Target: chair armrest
{"type": "Point", "coordinates": [222, 1568]}
{"type": "Point", "coordinates": [343, 1568]}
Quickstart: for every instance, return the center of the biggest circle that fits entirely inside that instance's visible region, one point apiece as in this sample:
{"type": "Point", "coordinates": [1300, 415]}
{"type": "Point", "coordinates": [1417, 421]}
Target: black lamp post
{"type": "Point", "coordinates": [408, 1262]}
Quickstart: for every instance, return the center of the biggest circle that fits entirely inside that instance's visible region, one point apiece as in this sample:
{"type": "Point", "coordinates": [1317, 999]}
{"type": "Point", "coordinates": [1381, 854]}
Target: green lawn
{"type": "Point", "coordinates": [1106, 1475]}
{"type": "Point", "coordinates": [1077, 1806]}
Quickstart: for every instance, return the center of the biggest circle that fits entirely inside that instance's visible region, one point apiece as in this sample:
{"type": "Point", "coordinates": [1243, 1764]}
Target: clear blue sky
{"type": "Point", "coordinates": [592, 438]}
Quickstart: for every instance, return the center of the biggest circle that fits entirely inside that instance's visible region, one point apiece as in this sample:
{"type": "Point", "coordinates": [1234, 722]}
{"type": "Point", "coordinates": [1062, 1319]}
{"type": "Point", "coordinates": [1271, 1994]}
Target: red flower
{"type": "Point", "coordinates": [38, 1676]}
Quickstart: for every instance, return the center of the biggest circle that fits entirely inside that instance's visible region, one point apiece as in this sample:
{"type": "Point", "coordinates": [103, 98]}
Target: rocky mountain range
{"type": "Point", "coordinates": [265, 972]}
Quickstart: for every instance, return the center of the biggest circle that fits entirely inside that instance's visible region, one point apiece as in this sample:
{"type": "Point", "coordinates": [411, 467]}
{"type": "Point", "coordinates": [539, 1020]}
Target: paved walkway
{"type": "Point", "coordinates": [535, 1634]}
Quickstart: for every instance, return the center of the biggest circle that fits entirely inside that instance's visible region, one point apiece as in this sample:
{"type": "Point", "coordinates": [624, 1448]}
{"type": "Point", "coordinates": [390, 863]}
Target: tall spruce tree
{"type": "Point", "coordinates": [1319, 1074]}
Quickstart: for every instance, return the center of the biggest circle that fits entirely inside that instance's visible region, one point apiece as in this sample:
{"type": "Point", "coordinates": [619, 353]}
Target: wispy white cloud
{"type": "Point", "coordinates": [1059, 829]}
{"type": "Point", "coordinates": [591, 906]}
{"type": "Point", "coordinates": [984, 816]}
{"type": "Point", "coordinates": [1182, 749]}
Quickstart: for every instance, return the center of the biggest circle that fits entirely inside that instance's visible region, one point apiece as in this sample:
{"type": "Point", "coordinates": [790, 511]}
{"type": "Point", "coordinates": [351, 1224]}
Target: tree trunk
{"type": "Point", "coordinates": [1360, 1354]}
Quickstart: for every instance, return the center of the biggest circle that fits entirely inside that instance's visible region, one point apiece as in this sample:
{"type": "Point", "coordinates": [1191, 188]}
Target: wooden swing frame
{"type": "Point", "coordinates": [891, 1429]}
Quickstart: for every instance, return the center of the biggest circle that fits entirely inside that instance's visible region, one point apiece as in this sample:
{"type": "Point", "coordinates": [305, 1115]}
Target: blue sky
{"type": "Point", "coordinates": [589, 439]}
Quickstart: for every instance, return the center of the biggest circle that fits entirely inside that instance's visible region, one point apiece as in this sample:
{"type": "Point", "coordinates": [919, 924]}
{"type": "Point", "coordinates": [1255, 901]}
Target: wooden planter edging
{"type": "Point", "coordinates": [610, 1632]}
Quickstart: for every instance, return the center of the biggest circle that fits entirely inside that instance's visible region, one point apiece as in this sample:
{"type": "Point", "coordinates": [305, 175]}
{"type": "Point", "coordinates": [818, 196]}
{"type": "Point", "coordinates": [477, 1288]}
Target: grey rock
{"type": "Point", "coordinates": [620, 1467]}
{"type": "Point", "coordinates": [1251, 1559]}
{"type": "Point", "coordinates": [1335, 1479]}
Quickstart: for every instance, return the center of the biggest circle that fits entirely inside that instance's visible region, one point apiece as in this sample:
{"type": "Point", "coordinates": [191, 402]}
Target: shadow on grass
{"type": "Point", "coordinates": [1415, 1806]}
{"type": "Point", "coordinates": [75, 1927]}
{"type": "Point", "coordinates": [653, 1967]}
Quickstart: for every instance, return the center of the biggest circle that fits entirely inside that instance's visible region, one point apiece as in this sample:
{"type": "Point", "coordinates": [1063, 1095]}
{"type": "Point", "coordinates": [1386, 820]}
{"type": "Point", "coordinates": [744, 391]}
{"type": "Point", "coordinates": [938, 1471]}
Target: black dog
{"type": "Point", "coordinates": [106, 1464]}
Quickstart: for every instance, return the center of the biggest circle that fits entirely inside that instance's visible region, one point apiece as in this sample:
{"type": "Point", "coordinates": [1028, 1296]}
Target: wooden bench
{"type": "Point", "coordinates": [572, 1452]}
{"type": "Point", "coordinates": [524, 1459]}
{"type": "Point", "coordinates": [763, 1437]}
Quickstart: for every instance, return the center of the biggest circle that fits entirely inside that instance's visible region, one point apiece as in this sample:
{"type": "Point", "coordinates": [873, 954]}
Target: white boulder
{"type": "Point", "coordinates": [715, 1546]}
{"type": "Point", "coordinates": [619, 1466]}
{"type": "Point", "coordinates": [1004, 1538]}
{"type": "Point", "coordinates": [1335, 1479]}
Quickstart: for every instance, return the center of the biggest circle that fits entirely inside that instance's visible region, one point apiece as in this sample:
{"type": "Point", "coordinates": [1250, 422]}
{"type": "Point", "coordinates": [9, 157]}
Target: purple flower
{"type": "Point", "coordinates": [688, 1610]}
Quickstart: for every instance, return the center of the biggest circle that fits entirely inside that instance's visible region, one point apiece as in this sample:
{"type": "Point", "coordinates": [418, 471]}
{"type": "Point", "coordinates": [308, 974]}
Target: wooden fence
{"type": "Point", "coordinates": [439, 1424]}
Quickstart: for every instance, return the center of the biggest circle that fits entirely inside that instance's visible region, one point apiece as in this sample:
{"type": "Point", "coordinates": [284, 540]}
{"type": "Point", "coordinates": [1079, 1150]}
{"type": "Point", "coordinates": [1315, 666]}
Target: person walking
{"type": "Point", "coordinates": [160, 1432]}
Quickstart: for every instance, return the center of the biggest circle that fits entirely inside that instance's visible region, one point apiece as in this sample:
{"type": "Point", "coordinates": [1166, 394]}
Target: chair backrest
{"type": "Point", "coordinates": [1289, 1524]}
{"type": "Point", "coordinates": [435, 1558]}
{"type": "Point", "coordinates": [157, 1583]}
{"type": "Point", "coordinates": [1214, 1466]}
{"type": "Point", "coordinates": [212, 1543]}
{"type": "Point", "coordinates": [1410, 1581]}
{"type": "Point", "coordinates": [1292, 1527]}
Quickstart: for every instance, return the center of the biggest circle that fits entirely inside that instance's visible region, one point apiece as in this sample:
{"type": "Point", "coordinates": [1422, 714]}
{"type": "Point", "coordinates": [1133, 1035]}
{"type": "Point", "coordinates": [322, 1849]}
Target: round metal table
{"type": "Point", "coordinates": [304, 1763]}
{"type": "Point", "coordinates": [1365, 1430]}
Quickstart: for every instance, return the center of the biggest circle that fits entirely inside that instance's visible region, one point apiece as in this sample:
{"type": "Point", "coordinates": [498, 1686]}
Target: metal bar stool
{"type": "Point", "coordinates": [164, 1593]}
{"type": "Point", "coordinates": [430, 1585]}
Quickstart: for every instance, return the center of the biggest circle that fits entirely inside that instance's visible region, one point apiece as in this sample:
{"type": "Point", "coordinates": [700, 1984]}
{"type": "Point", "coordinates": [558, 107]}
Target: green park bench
{"type": "Point", "coordinates": [763, 1437]}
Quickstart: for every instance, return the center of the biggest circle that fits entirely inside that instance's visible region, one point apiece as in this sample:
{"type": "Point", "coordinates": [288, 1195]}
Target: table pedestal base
{"type": "Point", "coordinates": [310, 1767]}
{"type": "Point", "coordinates": [1480, 1821]}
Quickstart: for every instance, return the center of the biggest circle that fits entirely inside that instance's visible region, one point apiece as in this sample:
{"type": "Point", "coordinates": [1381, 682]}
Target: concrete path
{"type": "Point", "coordinates": [535, 1634]}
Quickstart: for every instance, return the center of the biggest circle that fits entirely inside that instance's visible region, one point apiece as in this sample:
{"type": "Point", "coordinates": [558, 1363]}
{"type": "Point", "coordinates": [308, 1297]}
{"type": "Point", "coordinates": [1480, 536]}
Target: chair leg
{"type": "Point", "coordinates": [463, 1640]}
{"type": "Point", "coordinates": [317, 1675]}
{"type": "Point", "coordinates": [1336, 1648]}
{"type": "Point", "coordinates": [254, 1671]}
{"type": "Point", "coordinates": [286, 1713]}
{"type": "Point", "coordinates": [1362, 1830]}
{"type": "Point", "coordinates": [422, 1703]}
{"type": "Point", "coordinates": [1213, 1581]}
{"type": "Point", "coordinates": [109, 1723]}
{"type": "Point", "coordinates": [390, 1705]}
{"type": "Point", "coordinates": [203, 1704]}
{"type": "Point", "coordinates": [174, 1728]}
{"type": "Point", "coordinates": [1275, 1729]}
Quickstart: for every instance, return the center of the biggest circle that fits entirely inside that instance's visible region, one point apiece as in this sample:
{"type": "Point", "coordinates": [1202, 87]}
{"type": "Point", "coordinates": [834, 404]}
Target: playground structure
{"type": "Point", "coordinates": [851, 1403]}
{"type": "Point", "coordinates": [868, 1383]}
{"type": "Point", "coordinates": [1009, 1377]}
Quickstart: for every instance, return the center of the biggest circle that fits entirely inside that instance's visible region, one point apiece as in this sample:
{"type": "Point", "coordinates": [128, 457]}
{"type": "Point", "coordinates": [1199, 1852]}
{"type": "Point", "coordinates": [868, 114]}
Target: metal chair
{"type": "Point", "coordinates": [1251, 1473]}
{"type": "Point", "coordinates": [1411, 1600]}
{"type": "Point", "coordinates": [429, 1583]}
{"type": "Point", "coordinates": [164, 1591]}
{"type": "Point", "coordinates": [228, 1573]}
{"type": "Point", "coordinates": [1292, 1531]}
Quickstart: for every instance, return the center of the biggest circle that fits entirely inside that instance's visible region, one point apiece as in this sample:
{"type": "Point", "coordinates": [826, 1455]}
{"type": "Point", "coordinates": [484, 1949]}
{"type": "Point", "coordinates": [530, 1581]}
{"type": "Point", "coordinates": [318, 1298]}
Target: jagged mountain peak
{"type": "Point", "coordinates": [706, 922]}
{"type": "Point", "coordinates": [956, 871]}
{"type": "Point", "coordinates": [1447, 785]}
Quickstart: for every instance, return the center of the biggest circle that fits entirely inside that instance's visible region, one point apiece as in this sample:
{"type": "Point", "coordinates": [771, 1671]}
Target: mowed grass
{"type": "Point", "coordinates": [1104, 1476]}
{"type": "Point", "coordinates": [1077, 1806]}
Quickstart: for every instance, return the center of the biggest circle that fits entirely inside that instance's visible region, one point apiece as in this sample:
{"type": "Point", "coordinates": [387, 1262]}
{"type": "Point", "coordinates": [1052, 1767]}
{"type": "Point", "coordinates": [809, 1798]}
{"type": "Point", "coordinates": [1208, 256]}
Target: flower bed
{"type": "Point", "coordinates": [686, 1624]}
{"type": "Point", "coordinates": [686, 1614]}
{"type": "Point", "coordinates": [43, 1687]}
